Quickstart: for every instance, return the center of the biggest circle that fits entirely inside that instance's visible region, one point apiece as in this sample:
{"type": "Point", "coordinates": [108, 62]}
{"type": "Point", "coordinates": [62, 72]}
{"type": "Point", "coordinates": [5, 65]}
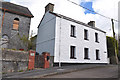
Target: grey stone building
{"type": "Point", "coordinates": [15, 25]}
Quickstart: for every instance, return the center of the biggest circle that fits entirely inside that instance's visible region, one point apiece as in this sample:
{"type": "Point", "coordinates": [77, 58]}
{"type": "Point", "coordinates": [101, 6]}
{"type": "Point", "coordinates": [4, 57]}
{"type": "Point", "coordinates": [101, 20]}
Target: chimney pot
{"type": "Point", "coordinates": [91, 23]}
{"type": "Point", "coordinates": [49, 7]}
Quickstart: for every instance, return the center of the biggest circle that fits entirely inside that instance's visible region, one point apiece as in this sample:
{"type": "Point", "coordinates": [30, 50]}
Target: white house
{"type": "Point", "coordinates": [69, 40]}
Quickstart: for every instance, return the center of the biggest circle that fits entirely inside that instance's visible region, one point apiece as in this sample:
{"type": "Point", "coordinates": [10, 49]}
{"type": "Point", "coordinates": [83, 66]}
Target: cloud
{"type": "Point", "coordinates": [106, 7]}
{"type": "Point", "coordinates": [61, 6]}
{"type": "Point", "coordinates": [87, 0]}
{"type": "Point", "coordinates": [6, 0]}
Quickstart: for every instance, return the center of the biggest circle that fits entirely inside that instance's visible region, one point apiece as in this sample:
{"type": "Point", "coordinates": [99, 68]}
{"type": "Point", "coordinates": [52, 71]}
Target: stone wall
{"type": "Point", "coordinates": [17, 61]}
{"type": "Point", "coordinates": [14, 61]}
{"type": "Point", "coordinates": [14, 41]}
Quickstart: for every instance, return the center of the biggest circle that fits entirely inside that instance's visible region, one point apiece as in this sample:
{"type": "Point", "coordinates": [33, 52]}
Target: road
{"type": "Point", "coordinates": [102, 72]}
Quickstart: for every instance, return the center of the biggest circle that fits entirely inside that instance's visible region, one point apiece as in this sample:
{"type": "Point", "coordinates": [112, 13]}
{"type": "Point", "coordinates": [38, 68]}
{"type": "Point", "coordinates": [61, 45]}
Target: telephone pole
{"type": "Point", "coordinates": [114, 41]}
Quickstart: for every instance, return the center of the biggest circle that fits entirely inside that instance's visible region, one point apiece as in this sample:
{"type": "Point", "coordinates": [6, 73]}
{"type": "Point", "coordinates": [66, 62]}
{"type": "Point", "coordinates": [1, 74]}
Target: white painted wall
{"type": "Point", "coordinates": [51, 38]}
{"type": "Point", "coordinates": [64, 41]}
{"type": "Point", "coordinates": [46, 35]}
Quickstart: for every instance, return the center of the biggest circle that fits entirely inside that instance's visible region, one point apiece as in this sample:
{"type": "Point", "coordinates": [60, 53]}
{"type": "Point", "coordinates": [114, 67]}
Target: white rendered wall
{"type": "Point", "coordinates": [63, 42]}
{"type": "Point", "coordinates": [46, 35]}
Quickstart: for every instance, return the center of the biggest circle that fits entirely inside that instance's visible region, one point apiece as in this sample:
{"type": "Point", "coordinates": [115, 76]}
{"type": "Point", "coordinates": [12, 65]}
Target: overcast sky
{"type": "Point", "coordinates": [108, 8]}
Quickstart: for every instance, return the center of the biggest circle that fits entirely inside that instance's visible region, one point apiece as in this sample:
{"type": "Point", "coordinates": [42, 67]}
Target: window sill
{"type": "Point", "coordinates": [87, 58]}
{"type": "Point", "coordinates": [96, 41]}
{"type": "Point", "coordinates": [15, 29]}
{"type": "Point", "coordinates": [72, 36]}
{"type": "Point", "coordinates": [86, 39]}
{"type": "Point", "coordinates": [73, 58]}
{"type": "Point", "coordinates": [97, 59]}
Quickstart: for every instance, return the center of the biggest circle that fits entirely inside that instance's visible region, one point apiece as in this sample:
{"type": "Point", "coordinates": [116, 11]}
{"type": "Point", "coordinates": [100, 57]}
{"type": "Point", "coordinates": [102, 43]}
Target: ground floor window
{"type": "Point", "coordinates": [72, 52]}
{"type": "Point", "coordinates": [86, 55]}
{"type": "Point", "coordinates": [97, 55]}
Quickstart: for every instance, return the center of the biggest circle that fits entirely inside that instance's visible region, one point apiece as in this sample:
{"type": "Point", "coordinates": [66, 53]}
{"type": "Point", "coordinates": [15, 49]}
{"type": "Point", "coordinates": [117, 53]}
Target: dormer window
{"type": "Point", "coordinates": [16, 24]}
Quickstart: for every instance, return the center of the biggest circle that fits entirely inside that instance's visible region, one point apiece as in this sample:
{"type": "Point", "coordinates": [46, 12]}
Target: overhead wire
{"type": "Point", "coordinates": [93, 11]}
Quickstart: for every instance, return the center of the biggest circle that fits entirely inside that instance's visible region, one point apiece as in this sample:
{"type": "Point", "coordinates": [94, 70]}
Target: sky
{"type": "Point", "coordinates": [107, 8]}
{"type": "Point", "coordinates": [88, 5]}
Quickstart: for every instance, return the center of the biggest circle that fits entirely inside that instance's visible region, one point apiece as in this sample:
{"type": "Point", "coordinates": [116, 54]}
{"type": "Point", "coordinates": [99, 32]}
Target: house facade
{"type": "Point", "coordinates": [69, 40]}
{"type": "Point", "coordinates": [15, 25]}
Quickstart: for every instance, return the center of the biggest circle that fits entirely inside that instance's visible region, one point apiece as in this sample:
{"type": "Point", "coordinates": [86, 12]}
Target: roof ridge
{"type": "Point", "coordinates": [14, 4]}
{"type": "Point", "coordinates": [16, 9]}
{"type": "Point", "coordinates": [68, 17]}
{"type": "Point", "coordinates": [76, 21]}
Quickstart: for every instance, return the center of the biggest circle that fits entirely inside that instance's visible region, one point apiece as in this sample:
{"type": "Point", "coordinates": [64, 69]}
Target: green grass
{"type": "Point", "coordinates": [21, 71]}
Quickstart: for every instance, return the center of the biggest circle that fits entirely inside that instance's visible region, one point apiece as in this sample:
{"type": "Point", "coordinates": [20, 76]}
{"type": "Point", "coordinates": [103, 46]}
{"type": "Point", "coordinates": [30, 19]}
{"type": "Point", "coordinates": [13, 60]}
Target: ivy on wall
{"type": "Point", "coordinates": [111, 46]}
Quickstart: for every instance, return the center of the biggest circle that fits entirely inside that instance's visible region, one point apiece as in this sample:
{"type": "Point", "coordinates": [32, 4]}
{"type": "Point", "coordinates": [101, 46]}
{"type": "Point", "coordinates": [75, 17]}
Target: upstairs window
{"type": "Point", "coordinates": [16, 24]}
{"type": "Point", "coordinates": [86, 55]}
{"type": "Point", "coordinates": [72, 34]}
{"type": "Point", "coordinates": [96, 37]}
{"type": "Point", "coordinates": [97, 55]}
{"type": "Point", "coordinates": [85, 34]}
{"type": "Point", "coordinates": [72, 52]}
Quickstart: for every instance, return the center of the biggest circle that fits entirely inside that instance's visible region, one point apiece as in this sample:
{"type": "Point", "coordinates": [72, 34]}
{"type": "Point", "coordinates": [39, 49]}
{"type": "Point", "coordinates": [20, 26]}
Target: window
{"type": "Point", "coordinates": [72, 52]}
{"type": "Point", "coordinates": [96, 37]}
{"type": "Point", "coordinates": [72, 31]}
{"type": "Point", "coordinates": [16, 24]}
{"type": "Point", "coordinates": [97, 55]}
{"type": "Point", "coordinates": [5, 40]}
{"type": "Point", "coordinates": [86, 34]}
{"type": "Point", "coordinates": [86, 53]}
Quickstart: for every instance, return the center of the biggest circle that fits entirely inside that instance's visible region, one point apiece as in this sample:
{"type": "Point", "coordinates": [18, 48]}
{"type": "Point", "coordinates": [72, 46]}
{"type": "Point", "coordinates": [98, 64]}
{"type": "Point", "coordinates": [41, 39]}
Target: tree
{"type": "Point", "coordinates": [29, 43]}
{"type": "Point", "coordinates": [111, 43]}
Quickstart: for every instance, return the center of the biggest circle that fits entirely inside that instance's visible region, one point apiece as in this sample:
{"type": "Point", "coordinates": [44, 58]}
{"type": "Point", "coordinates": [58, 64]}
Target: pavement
{"type": "Point", "coordinates": [40, 73]}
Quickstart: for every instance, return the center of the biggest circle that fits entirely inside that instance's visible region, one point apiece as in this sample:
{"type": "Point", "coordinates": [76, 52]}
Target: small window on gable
{"type": "Point", "coordinates": [16, 24]}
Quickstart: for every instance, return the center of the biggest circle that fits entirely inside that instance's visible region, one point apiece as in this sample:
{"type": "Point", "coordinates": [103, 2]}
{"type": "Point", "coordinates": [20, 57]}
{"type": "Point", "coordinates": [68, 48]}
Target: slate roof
{"type": "Point", "coordinates": [70, 19]}
{"type": "Point", "coordinates": [16, 9]}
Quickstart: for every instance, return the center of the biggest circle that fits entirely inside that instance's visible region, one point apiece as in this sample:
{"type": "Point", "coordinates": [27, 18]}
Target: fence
{"type": "Point", "coordinates": [39, 61]}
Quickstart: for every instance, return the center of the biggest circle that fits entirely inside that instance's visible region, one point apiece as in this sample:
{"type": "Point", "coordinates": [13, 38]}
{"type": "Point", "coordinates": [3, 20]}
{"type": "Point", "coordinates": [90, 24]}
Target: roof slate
{"type": "Point", "coordinates": [70, 19]}
{"type": "Point", "coordinates": [17, 9]}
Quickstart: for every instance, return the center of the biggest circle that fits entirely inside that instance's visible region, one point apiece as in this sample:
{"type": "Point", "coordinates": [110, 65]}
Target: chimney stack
{"type": "Point", "coordinates": [91, 23]}
{"type": "Point", "coordinates": [49, 7]}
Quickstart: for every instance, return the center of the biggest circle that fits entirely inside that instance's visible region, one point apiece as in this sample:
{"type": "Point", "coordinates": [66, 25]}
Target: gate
{"type": "Point", "coordinates": [42, 61]}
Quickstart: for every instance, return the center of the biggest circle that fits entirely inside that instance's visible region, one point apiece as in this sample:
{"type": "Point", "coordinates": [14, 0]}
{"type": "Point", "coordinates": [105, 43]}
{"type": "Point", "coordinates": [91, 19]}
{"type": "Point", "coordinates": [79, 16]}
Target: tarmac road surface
{"type": "Point", "coordinates": [73, 71]}
{"type": "Point", "coordinates": [101, 72]}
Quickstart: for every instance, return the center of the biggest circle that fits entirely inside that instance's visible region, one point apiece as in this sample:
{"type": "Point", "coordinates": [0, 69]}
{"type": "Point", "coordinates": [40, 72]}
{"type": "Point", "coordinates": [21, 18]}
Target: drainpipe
{"type": "Point", "coordinates": [2, 25]}
{"type": "Point", "coordinates": [3, 18]}
{"type": "Point", "coordinates": [60, 43]}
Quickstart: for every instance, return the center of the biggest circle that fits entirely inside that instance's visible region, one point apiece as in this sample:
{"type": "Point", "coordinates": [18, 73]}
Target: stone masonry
{"type": "Point", "coordinates": [14, 36]}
